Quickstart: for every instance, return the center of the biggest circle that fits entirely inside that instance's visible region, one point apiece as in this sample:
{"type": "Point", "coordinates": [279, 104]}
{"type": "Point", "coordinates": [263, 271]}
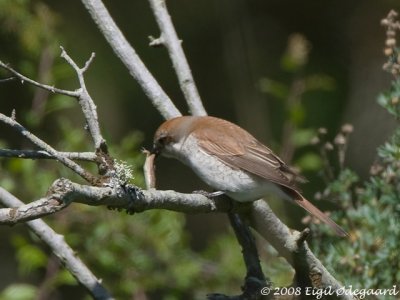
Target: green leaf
{"type": "Point", "coordinates": [302, 137]}
{"type": "Point", "coordinates": [274, 88]}
{"type": "Point", "coordinates": [30, 258]}
{"type": "Point", "coordinates": [297, 113]}
{"type": "Point", "coordinates": [309, 162]}
{"type": "Point", "coordinates": [65, 278]}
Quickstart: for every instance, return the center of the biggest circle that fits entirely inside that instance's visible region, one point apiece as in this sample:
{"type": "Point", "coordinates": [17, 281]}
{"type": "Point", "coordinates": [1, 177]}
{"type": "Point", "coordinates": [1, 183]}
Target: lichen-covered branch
{"type": "Point", "coordinates": [290, 244]}
{"type": "Point", "coordinates": [63, 192]}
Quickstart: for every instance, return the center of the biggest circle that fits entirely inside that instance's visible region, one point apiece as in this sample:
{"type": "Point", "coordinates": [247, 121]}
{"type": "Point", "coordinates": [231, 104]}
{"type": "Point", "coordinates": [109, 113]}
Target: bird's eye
{"type": "Point", "coordinates": [162, 140]}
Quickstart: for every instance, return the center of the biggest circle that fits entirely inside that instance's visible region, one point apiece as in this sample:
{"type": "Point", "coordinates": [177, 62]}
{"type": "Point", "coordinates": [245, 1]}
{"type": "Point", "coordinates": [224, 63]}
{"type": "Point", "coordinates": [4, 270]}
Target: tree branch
{"type": "Point", "coordinates": [40, 154]}
{"type": "Point", "coordinates": [290, 245]}
{"type": "Point", "coordinates": [62, 250]}
{"type": "Point", "coordinates": [84, 99]}
{"type": "Point", "coordinates": [130, 59]}
{"type": "Point", "coordinates": [44, 146]}
{"type": "Point", "coordinates": [170, 40]}
{"type": "Point", "coordinates": [63, 192]}
{"type": "Point", "coordinates": [255, 279]}
{"type": "Point", "coordinates": [87, 104]}
{"type": "Point", "coordinates": [50, 88]}
{"type": "Point", "coordinates": [293, 248]}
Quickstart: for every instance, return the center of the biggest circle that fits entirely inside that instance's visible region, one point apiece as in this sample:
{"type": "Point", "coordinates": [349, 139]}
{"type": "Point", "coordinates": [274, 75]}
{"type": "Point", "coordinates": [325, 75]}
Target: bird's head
{"type": "Point", "coordinates": [170, 133]}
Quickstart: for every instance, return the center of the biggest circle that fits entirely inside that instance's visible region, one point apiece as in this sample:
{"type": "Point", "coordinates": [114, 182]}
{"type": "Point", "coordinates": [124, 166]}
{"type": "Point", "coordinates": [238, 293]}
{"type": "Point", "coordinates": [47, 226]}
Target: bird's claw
{"type": "Point", "coordinates": [134, 193]}
{"type": "Point", "coordinates": [208, 194]}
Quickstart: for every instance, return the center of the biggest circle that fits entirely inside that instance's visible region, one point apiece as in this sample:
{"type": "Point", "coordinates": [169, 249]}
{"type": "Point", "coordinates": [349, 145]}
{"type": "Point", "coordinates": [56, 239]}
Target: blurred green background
{"type": "Point", "coordinates": [280, 69]}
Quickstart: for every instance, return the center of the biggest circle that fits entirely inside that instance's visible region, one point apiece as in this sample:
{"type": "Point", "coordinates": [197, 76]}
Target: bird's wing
{"type": "Point", "coordinates": [245, 153]}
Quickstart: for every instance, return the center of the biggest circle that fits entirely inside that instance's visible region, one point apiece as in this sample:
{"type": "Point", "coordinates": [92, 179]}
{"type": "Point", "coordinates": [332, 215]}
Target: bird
{"type": "Point", "coordinates": [231, 160]}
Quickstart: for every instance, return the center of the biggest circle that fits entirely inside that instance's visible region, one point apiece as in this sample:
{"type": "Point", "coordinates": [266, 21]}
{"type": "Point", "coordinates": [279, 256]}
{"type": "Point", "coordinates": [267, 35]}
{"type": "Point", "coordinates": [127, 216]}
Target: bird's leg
{"type": "Point", "coordinates": [208, 194]}
{"type": "Point", "coordinates": [133, 193]}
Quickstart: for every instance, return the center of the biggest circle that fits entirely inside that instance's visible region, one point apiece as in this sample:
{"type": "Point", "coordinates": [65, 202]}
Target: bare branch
{"type": "Point", "coordinates": [263, 219]}
{"type": "Point", "coordinates": [86, 102]}
{"type": "Point", "coordinates": [62, 250]}
{"type": "Point", "coordinates": [30, 211]}
{"type": "Point", "coordinates": [7, 79]}
{"type": "Point", "coordinates": [170, 40]}
{"type": "Point", "coordinates": [268, 225]}
{"type": "Point", "coordinates": [40, 154]}
{"type": "Point", "coordinates": [130, 198]}
{"type": "Point", "coordinates": [255, 279]}
{"type": "Point", "coordinates": [23, 79]}
{"type": "Point", "coordinates": [44, 146]}
{"type": "Point", "coordinates": [89, 109]}
{"type": "Point", "coordinates": [131, 60]}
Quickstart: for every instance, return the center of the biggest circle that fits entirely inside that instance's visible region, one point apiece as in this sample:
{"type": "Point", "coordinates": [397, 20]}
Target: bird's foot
{"type": "Point", "coordinates": [208, 194]}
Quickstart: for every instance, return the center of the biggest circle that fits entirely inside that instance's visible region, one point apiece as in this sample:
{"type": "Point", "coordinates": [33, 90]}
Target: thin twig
{"type": "Point", "coordinates": [44, 146]}
{"type": "Point", "coordinates": [170, 40]}
{"type": "Point", "coordinates": [87, 104]}
{"type": "Point", "coordinates": [35, 83]}
{"type": "Point", "coordinates": [7, 79]}
{"type": "Point", "coordinates": [131, 60]}
{"type": "Point", "coordinates": [62, 250]}
{"type": "Point", "coordinates": [40, 154]}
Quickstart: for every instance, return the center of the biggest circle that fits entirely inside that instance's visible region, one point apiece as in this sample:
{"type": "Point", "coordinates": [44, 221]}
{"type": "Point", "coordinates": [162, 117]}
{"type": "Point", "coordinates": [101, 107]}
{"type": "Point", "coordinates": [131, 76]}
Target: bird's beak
{"type": "Point", "coordinates": [156, 150]}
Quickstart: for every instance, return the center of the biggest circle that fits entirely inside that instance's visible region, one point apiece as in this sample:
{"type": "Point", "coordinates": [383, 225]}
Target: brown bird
{"type": "Point", "coordinates": [231, 160]}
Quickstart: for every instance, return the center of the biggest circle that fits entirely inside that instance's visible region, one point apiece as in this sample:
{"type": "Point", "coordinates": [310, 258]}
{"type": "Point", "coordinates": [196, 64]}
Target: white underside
{"type": "Point", "coordinates": [239, 185]}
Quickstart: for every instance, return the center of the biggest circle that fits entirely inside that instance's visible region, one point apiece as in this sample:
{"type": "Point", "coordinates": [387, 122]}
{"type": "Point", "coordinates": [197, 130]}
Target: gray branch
{"type": "Point", "coordinates": [290, 244]}
{"type": "Point", "coordinates": [131, 60]}
{"type": "Point", "coordinates": [170, 40]}
{"type": "Point", "coordinates": [61, 249]}
{"type": "Point", "coordinates": [63, 192]}
{"type": "Point", "coordinates": [41, 154]}
{"type": "Point", "coordinates": [86, 102]}
{"type": "Point", "coordinates": [45, 147]}
{"type": "Point", "coordinates": [50, 88]}
{"type": "Point", "coordinates": [84, 99]}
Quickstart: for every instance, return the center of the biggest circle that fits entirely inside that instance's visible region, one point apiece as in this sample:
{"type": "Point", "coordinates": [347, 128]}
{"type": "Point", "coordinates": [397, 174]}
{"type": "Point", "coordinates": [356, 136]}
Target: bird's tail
{"type": "Point", "coordinates": [308, 206]}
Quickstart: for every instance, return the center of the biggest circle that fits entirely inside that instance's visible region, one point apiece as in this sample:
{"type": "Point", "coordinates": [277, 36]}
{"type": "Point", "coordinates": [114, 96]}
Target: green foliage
{"type": "Point", "coordinates": [293, 96]}
{"type": "Point", "coordinates": [29, 22]}
{"type": "Point", "coordinates": [29, 256]}
{"type": "Point", "coordinates": [19, 292]}
{"type": "Point", "coordinates": [371, 213]}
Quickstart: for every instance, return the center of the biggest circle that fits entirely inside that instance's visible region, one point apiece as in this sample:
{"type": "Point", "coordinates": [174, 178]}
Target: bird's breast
{"type": "Point", "coordinates": [238, 184]}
